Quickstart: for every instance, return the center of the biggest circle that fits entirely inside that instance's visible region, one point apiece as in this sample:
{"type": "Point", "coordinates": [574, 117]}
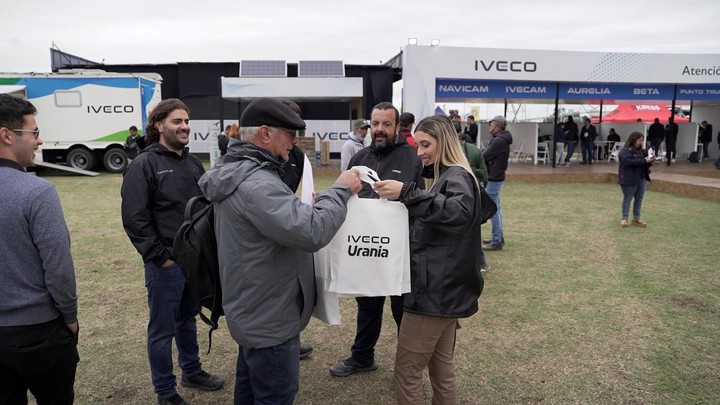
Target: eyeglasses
{"type": "Point", "coordinates": [35, 132]}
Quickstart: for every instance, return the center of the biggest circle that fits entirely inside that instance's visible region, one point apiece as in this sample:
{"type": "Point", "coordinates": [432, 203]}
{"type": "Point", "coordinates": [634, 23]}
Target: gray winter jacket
{"type": "Point", "coordinates": [265, 238]}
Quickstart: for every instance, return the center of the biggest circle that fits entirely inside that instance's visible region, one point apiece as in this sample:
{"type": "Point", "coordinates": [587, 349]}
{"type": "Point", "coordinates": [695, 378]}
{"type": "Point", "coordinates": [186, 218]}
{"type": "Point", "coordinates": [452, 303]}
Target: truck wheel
{"type": "Point", "coordinates": [81, 158]}
{"type": "Point", "coordinates": [115, 160]}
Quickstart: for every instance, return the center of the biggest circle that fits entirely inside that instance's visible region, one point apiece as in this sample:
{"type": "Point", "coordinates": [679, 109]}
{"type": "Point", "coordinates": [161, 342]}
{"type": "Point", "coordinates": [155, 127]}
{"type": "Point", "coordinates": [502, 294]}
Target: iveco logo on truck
{"type": "Point", "coordinates": [110, 109]}
{"type": "Point", "coordinates": [506, 66]}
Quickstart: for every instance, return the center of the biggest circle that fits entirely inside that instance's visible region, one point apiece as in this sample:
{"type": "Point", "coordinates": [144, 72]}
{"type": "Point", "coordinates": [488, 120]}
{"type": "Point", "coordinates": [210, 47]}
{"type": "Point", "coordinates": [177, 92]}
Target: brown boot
{"type": "Point", "coordinates": [624, 223]}
{"type": "Point", "coordinates": [639, 223]}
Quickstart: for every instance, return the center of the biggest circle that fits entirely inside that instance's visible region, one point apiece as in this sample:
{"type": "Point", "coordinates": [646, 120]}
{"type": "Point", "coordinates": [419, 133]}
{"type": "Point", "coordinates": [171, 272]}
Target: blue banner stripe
{"type": "Point", "coordinates": [39, 87]}
{"type": "Point", "coordinates": [471, 88]}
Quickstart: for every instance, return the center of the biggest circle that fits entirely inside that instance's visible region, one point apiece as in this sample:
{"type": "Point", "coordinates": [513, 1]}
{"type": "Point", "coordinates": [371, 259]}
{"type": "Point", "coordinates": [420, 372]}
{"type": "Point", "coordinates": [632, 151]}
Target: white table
{"type": "Point", "coordinates": [600, 145]}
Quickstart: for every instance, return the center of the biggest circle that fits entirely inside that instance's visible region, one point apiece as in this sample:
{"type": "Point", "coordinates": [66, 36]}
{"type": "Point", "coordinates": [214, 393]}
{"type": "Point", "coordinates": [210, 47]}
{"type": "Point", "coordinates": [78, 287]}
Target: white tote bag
{"type": "Point", "coordinates": [370, 254]}
{"type": "Point", "coordinates": [327, 307]}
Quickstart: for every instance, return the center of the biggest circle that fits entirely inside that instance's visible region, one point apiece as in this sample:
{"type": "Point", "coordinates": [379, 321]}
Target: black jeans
{"type": "Point", "coordinates": [41, 358]}
{"type": "Point", "coordinates": [369, 324]}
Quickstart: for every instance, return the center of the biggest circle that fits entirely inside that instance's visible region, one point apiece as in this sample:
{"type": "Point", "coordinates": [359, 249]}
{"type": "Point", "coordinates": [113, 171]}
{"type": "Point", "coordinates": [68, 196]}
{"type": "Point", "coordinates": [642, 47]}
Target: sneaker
{"type": "Point", "coordinates": [489, 241]}
{"type": "Point", "coordinates": [491, 247]}
{"type": "Point", "coordinates": [203, 381]}
{"type": "Point", "coordinates": [174, 400]}
{"type": "Point", "coordinates": [673, 160]}
{"type": "Point", "coordinates": [305, 351]}
{"type": "Point", "coordinates": [350, 366]}
{"type": "Point", "coordinates": [639, 223]}
{"type": "Point", "coordinates": [485, 268]}
{"type": "Point", "coordinates": [624, 223]}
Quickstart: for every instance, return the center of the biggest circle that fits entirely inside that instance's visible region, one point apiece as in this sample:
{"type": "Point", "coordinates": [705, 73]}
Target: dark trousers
{"type": "Point", "coordinates": [587, 150]}
{"type": "Point", "coordinates": [571, 150]}
{"type": "Point", "coordinates": [172, 307]}
{"type": "Point", "coordinates": [670, 151]}
{"type": "Point", "coordinates": [41, 358]}
{"type": "Point", "coordinates": [655, 144]}
{"type": "Point", "coordinates": [270, 375]}
{"type": "Point", "coordinates": [369, 323]}
{"type": "Point", "coordinates": [705, 145]}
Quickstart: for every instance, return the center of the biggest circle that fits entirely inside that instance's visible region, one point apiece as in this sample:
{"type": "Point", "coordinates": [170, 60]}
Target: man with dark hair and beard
{"type": "Point", "coordinates": [392, 158]}
{"type": "Point", "coordinates": [156, 187]}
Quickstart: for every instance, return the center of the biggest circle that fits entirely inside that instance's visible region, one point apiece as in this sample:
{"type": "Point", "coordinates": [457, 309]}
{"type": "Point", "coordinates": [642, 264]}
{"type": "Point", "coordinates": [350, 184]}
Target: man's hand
{"type": "Point", "coordinates": [73, 327]}
{"type": "Point", "coordinates": [350, 178]}
{"type": "Point", "coordinates": [168, 263]}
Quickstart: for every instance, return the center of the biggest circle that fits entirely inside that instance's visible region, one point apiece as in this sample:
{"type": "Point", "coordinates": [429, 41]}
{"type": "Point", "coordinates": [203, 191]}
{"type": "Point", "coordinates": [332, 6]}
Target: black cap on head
{"type": "Point", "coordinates": [407, 118]}
{"type": "Point", "coordinates": [270, 112]}
{"type": "Point", "coordinates": [133, 128]}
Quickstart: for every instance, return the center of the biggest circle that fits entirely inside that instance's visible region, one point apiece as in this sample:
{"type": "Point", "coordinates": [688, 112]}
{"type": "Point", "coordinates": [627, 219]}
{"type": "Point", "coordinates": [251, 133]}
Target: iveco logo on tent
{"type": "Point", "coordinates": [505, 66]}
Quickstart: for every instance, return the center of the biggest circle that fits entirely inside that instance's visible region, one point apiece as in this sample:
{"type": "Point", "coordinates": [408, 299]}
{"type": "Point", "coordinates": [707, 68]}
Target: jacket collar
{"type": "Point", "coordinates": [157, 147]}
{"type": "Point", "coordinates": [11, 164]}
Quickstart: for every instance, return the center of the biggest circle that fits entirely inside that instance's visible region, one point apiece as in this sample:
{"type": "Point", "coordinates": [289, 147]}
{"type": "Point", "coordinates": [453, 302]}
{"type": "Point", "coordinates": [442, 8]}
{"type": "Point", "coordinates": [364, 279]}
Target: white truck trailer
{"type": "Point", "coordinates": [84, 115]}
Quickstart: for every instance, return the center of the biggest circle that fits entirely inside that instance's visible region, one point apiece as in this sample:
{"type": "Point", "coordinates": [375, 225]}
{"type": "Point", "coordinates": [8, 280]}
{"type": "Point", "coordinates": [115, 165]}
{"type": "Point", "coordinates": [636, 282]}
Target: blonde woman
{"type": "Point", "coordinates": [446, 280]}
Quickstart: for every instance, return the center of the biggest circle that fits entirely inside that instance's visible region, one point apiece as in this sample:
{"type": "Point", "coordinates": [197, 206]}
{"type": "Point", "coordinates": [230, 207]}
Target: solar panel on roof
{"type": "Point", "coordinates": [263, 68]}
{"type": "Point", "coordinates": [321, 68]}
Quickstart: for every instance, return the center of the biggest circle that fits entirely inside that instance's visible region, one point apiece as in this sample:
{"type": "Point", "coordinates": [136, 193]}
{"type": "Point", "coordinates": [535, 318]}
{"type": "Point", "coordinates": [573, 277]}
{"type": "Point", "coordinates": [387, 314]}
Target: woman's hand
{"type": "Point", "coordinates": [389, 189]}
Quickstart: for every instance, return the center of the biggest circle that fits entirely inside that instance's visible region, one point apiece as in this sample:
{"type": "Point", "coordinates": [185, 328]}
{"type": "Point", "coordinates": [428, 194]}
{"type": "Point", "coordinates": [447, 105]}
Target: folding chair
{"type": "Point", "coordinates": [542, 152]}
{"type": "Point", "coordinates": [613, 155]}
{"type": "Point", "coordinates": [516, 154]}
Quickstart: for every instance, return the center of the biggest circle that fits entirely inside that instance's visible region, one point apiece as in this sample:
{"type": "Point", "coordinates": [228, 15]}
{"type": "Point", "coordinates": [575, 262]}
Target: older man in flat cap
{"type": "Point", "coordinates": [265, 235]}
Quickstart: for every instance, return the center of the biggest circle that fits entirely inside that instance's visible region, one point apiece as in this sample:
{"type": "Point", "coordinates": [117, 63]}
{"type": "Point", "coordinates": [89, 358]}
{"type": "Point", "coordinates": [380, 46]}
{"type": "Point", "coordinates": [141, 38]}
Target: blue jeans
{"type": "Point", "coordinates": [571, 150]}
{"type": "Point", "coordinates": [173, 308]}
{"type": "Point", "coordinates": [628, 193]}
{"type": "Point", "coordinates": [493, 189]}
{"type": "Point", "coordinates": [560, 146]}
{"type": "Point", "coordinates": [587, 151]}
{"type": "Point", "coordinates": [268, 376]}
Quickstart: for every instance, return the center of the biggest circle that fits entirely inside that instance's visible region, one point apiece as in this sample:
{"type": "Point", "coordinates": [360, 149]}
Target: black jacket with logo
{"type": "Point", "coordinates": [444, 243]}
{"type": "Point", "coordinates": [397, 162]}
{"type": "Point", "coordinates": [156, 187]}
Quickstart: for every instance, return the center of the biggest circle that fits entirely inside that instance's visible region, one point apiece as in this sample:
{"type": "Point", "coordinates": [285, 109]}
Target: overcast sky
{"type": "Point", "coordinates": [356, 32]}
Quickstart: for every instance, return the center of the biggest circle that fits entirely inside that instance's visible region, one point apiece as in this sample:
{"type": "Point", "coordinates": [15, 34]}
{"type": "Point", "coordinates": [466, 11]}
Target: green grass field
{"type": "Point", "coordinates": [576, 310]}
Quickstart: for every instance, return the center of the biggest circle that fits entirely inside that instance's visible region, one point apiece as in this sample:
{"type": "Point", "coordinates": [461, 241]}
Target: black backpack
{"type": "Point", "coordinates": [195, 250]}
{"type": "Point", "coordinates": [694, 158]}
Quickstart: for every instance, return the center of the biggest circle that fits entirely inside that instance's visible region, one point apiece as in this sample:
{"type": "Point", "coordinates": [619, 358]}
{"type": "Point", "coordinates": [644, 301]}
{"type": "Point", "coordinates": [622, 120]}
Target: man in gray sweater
{"type": "Point", "coordinates": [38, 300]}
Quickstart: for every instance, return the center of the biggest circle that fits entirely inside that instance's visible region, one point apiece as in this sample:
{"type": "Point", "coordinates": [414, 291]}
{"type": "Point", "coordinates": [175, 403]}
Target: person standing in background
{"type": "Point", "coordinates": [496, 157]}
{"type": "Point", "coordinates": [633, 173]}
{"type": "Point", "coordinates": [223, 140]}
{"type": "Point", "coordinates": [571, 137]}
{"type": "Point", "coordinates": [588, 133]}
{"type": "Point", "coordinates": [656, 135]}
{"type": "Point", "coordinates": [706, 138]}
{"type": "Point", "coordinates": [354, 144]}
{"type": "Point", "coordinates": [131, 143]}
{"type": "Point", "coordinates": [471, 129]}
{"type": "Point", "coordinates": [671, 133]}
{"type": "Point", "coordinates": [559, 143]}
{"type": "Point", "coordinates": [405, 126]}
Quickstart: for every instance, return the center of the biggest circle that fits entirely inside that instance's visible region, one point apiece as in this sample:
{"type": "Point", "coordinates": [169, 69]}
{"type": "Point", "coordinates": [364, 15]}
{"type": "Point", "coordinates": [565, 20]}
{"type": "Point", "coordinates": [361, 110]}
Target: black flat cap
{"type": "Point", "coordinates": [270, 112]}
